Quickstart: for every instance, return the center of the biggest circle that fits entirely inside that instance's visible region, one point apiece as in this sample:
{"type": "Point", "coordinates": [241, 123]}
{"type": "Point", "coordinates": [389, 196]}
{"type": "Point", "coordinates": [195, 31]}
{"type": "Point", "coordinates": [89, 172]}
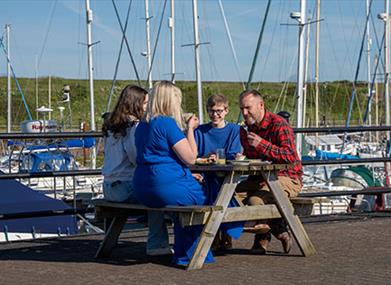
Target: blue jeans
{"type": "Point", "coordinates": [122, 191]}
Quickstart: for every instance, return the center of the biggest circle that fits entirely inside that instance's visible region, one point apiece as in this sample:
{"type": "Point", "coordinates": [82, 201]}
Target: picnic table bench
{"type": "Point", "coordinates": [212, 216]}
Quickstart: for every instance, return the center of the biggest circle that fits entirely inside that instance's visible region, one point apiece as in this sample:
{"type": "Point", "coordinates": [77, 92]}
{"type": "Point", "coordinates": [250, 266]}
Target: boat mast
{"type": "Point", "coordinates": [305, 88]}
{"type": "Point", "coordinates": [147, 27]}
{"type": "Point", "coordinates": [369, 42]}
{"type": "Point", "coordinates": [36, 87]}
{"type": "Point", "coordinates": [385, 17]}
{"type": "Point", "coordinates": [317, 70]}
{"type": "Point", "coordinates": [171, 25]}
{"type": "Point", "coordinates": [197, 62]}
{"type": "Point", "coordinates": [50, 95]}
{"type": "Point", "coordinates": [301, 17]}
{"type": "Point", "coordinates": [91, 75]}
{"type": "Point", "coordinates": [9, 118]}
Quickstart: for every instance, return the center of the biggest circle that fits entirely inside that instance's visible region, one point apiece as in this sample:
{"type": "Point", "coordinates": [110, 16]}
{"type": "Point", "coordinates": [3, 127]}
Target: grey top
{"type": "Point", "coordinates": [120, 156]}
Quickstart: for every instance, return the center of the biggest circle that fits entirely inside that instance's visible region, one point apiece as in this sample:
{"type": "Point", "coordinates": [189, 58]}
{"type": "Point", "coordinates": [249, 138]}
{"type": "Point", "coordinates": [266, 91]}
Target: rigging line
{"type": "Point", "coordinates": [47, 31]}
{"type": "Point", "coordinates": [284, 90]}
{"type": "Point", "coordinates": [231, 43]}
{"type": "Point", "coordinates": [356, 76]}
{"type": "Point", "coordinates": [157, 39]}
{"type": "Point", "coordinates": [373, 80]}
{"type": "Point", "coordinates": [16, 81]}
{"type": "Point", "coordinates": [248, 85]}
{"type": "Point", "coordinates": [358, 68]}
{"type": "Point", "coordinates": [205, 32]}
{"type": "Point", "coordinates": [118, 59]}
{"type": "Point", "coordinates": [127, 43]}
{"type": "Point", "coordinates": [268, 50]}
{"type": "Point", "coordinates": [377, 39]}
{"type": "Point", "coordinates": [205, 29]}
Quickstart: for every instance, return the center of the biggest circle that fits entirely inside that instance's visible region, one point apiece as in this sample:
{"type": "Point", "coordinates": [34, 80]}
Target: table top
{"type": "Point", "coordinates": [234, 165]}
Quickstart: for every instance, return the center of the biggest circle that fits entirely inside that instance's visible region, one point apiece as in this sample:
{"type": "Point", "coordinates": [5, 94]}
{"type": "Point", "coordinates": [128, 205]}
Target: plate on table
{"type": "Point", "coordinates": [258, 162]}
{"type": "Point", "coordinates": [239, 162]}
{"type": "Point", "coordinates": [203, 161]}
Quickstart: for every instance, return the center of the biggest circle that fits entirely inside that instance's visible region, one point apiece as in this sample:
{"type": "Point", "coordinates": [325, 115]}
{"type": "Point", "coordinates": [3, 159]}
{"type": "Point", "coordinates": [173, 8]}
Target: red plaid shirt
{"type": "Point", "coordinates": [278, 144]}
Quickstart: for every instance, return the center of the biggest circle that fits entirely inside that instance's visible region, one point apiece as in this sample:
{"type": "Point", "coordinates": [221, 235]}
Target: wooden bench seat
{"type": "Point", "coordinates": [116, 214]}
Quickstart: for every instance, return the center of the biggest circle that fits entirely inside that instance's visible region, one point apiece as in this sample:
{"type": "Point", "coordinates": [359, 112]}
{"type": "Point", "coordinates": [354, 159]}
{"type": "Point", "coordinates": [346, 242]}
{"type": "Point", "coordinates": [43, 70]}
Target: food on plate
{"type": "Point", "coordinates": [240, 156]}
{"type": "Point", "coordinates": [204, 160]}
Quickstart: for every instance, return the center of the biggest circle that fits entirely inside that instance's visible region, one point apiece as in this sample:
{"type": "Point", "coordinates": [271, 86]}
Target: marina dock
{"type": "Point", "coordinates": [349, 251]}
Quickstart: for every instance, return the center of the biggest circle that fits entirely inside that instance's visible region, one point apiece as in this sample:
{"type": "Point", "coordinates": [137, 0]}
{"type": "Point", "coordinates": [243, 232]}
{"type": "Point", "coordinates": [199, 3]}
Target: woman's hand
{"type": "Point", "coordinates": [198, 177]}
{"type": "Point", "coordinates": [193, 123]}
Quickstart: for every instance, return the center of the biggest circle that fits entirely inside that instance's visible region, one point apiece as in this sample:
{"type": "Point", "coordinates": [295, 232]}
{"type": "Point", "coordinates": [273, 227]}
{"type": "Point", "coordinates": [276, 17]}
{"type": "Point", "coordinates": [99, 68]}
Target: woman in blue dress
{"type": "Point", "coordinates": [163, 152]}
{"type": "Point", "coordinates": [218, 134]}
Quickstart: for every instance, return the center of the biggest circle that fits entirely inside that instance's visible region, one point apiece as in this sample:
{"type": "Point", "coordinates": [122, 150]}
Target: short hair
{"type": "Point", "coordinates": [216, 99]}
{"type": "Point", "coordinates": [166, 99]}
{"type": "Point", "coordinates": [253, 92]}
{"type": "Point", "coordinates": [284, 114]}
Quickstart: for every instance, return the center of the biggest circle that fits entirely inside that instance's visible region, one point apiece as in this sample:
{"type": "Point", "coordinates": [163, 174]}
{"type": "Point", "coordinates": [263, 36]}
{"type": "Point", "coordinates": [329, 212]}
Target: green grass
{"type": "Point", "coordinates": [334, 99]}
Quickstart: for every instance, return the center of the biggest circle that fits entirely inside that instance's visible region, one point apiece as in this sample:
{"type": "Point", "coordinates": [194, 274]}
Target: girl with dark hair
{"type": "Point", "coordinates": [120, 161]}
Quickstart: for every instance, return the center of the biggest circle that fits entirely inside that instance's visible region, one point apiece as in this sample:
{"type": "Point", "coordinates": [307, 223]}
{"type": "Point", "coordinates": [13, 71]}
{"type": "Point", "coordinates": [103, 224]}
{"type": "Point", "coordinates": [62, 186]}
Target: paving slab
{"type": "Point", "coordinates": [348, 252]}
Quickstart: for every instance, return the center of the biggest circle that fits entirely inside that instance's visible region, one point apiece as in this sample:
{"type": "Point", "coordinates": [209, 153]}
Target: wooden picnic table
{"type": "Point", "coordinates": [212, 216]}
{"type": "Point", "coordinates": [233, 172]}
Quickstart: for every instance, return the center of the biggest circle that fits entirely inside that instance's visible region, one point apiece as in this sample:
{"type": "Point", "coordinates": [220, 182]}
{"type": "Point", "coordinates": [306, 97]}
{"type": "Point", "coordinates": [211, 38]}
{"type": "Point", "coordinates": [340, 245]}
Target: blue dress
{"type": "Point", "coordinates": [208, 140]}
{"type": "Point", "coordinates": [162, 179]}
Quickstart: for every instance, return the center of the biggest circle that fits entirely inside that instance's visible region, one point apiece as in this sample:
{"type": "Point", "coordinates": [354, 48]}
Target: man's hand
{"type": "Point", "coordinates": [212, 157]}
{"type": "Point", "coordinates": [253, 139]}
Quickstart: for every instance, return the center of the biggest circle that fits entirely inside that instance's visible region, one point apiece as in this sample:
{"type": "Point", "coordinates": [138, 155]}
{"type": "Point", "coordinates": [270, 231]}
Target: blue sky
{"type": "Point", "coordinates": [53, 34]}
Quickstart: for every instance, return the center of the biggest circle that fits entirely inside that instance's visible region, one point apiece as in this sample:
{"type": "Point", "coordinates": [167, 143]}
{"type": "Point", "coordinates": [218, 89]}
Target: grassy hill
{"type": "Point", "coordinates": [334, 99]}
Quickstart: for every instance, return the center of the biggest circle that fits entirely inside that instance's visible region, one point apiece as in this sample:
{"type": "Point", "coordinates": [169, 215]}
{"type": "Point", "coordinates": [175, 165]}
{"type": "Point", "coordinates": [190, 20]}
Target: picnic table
{"type": "Point", "coordinates": [213, 215]}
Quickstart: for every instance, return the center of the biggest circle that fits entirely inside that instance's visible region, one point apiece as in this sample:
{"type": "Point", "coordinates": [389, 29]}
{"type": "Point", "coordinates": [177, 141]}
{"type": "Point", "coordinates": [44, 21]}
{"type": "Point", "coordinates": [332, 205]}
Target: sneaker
{"type": "Point", "coordinates": [160, 251]}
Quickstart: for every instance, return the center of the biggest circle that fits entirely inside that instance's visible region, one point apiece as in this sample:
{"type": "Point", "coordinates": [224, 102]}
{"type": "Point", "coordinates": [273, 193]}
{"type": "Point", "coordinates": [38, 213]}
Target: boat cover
{"type": "Point", "coordinates": [18, 198]}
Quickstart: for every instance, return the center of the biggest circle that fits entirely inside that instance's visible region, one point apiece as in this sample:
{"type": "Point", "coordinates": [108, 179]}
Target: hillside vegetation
{"type": "Point", "coordinates": [333, 107]}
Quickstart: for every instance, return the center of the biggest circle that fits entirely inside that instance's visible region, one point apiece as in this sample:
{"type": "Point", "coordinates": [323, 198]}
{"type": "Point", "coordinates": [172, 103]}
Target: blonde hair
{"type": "Point", "coordinates": [166, 100]}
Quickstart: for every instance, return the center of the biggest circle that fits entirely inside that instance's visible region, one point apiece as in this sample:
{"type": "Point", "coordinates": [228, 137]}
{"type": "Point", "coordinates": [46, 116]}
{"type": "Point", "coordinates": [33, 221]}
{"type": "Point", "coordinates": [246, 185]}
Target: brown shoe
{"type": "Point", "coordinates": [286, 241]}
{"type": "Point", "coordinates": [260, 246]}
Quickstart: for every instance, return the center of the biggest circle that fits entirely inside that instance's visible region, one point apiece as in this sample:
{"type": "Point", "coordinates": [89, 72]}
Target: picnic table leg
{"type": "Point", "coordinates": [287, 212]}
{"type": "Point", "coordinates": [111, 237]}
{"type": "Point", "coordinates": [213, 222]}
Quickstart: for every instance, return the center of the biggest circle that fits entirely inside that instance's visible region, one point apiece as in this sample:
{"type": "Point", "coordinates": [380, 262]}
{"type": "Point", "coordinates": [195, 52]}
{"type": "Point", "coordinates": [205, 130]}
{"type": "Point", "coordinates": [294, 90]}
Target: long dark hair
{"type": "Point", "coordinates": [127, 111]}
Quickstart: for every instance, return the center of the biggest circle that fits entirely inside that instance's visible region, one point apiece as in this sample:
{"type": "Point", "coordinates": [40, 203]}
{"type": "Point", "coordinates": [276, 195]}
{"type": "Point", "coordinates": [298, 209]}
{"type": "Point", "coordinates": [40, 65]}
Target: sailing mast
{"type": "Point", "coordinates": [387, 62]}
{"type": "Point", "coordinates": [9, 118]}
{"type": "Point", "coordinates": [197, 62]}
{"type": "Point", "coordinates": [148, 55]}
{"type": "Point", "coordinates": [36, 87]}
{"type": "Point", "coordinates": [369, 67]}
{"type": "Point", "coordinates": [91, 76]}
{"type": "Point", "coordinates": [301, 17]}
{"type": "Point", "coordinates": [50, 95]}
{"type": "Point", "coordinates": [171, 25]}
{"type": "Point", "coordinates": [317, 71]}
{"type": "Point", "coordinates": [305, 88]}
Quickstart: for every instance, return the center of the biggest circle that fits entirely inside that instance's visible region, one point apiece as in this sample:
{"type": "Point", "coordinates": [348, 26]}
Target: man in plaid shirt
{"type": "Point", "coordinates": [268, 137]}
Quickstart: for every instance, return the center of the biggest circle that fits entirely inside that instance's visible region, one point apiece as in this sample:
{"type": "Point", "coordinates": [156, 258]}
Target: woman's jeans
{"type": "Point", "coordinates": [122, 191]}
